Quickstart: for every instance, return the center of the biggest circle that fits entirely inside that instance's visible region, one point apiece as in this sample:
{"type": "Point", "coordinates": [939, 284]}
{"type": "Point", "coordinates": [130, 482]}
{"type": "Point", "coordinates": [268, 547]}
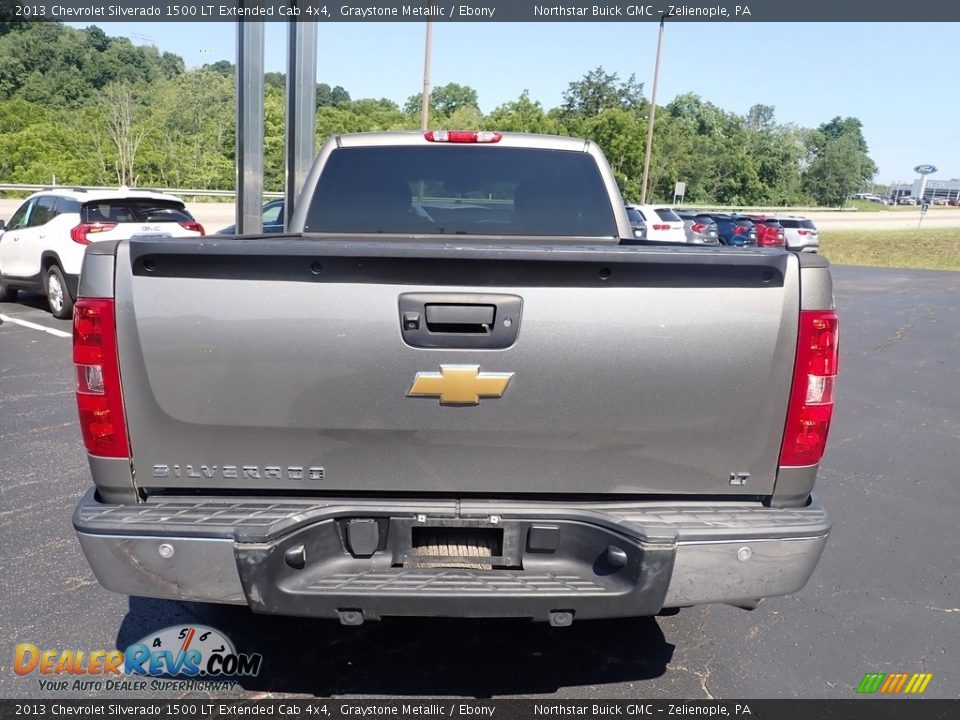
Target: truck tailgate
{"type": "Point", "coordinates": [280, 364]}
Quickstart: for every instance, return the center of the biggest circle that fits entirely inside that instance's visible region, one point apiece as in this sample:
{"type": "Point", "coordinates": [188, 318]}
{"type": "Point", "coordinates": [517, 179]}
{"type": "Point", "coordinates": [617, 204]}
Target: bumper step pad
{"type": "Point", "coordinates": [404, 581]}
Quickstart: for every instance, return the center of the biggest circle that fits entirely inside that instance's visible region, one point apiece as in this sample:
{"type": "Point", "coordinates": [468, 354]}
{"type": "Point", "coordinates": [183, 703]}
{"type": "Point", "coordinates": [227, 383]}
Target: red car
{"type": "Point", "coordinates": [769, 231]}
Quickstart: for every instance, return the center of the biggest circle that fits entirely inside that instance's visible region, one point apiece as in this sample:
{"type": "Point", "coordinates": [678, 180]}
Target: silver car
{"type": "Point", "coordinates": [700, 229]}
{"type": "Point", "coordinates": [800, 234]}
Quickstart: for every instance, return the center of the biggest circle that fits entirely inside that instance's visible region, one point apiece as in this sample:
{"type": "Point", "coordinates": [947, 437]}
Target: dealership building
{"type": "Point", "coordinates": [934, 190]}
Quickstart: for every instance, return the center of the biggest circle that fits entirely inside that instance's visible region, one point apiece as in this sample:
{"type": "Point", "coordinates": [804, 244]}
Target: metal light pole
{"type": "Point", "coordinates": [249, 126]}
{"type": "Point", "coordinates": [653, 110]}
{"type": "Point", "coordinates": [301, 110]}
{"type": "Point", "coordinates": [425, 106]}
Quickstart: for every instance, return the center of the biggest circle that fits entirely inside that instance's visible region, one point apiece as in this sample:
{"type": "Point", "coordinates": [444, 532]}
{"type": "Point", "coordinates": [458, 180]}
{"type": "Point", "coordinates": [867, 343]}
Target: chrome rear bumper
{"type": "Point", "coordinates": [238, 550]}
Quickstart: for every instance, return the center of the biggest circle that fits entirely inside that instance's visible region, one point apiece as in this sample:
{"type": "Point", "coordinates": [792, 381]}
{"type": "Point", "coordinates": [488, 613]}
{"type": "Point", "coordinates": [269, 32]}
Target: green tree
{"type": "Point", "coordinates": [331, 96]}
{"type": "Point", "coordinates": [841, 127]}
{"type": "Point", "coordinates": [339, 96]}
{"type": "Point", "coordinates": [224, 67]}
{"type": "Point", "coordinates": [621, 135]}
{"type": "Point", "coordinates": [97, 38]}
{"type": "Point", "coordinates": [55, 65]}
{"type": "Point", "coordinates": [12, 72]}
{"type": "Point", "coordinates": [38, 143]}
{"type": "Point", "coordinates": [599, 90]}
{"type": "Point", "coordinates": [522, 115]}
{"type": "Point", "coordinates": [123, 124]}
{"type": "Point", "coordinates": [838, 169]}
{"type": "Point", "coordinates": [448, 99]}
{"type": "Point", "coordinates": [361, 116]}
{"type": "Point", "coordinates": [323, 96]}
{"type": "Point", "coordinates": [273, 139]}
{"type": "Point", "coordinates": [839, 162]}
{"type": "Point", "coordinates": [276, 80]}
{"type": "Point", "coordinates": [760, 118]}
{"type": "Point", "coordinates": [95, 109]}
{"type": "Point", "coordinates": [444, 100]}
{"type": "Point", "coordinates": [192, 132]}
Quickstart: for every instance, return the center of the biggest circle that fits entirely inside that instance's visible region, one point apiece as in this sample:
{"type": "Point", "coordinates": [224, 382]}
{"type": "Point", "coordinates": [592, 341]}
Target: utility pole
{"type": "Point", "coordinates": [425, 103]}
{"type": "Point", "coordinates": [653, 110]}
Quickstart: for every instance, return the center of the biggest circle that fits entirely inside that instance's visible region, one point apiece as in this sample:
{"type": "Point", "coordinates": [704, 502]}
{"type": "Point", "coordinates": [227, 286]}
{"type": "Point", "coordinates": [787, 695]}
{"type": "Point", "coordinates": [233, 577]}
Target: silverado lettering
{"type": "Point", "coordinates": [229, 472]}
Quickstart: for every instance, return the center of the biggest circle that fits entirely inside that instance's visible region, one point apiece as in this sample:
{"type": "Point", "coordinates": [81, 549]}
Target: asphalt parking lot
{"type": "Point", "coordinates": [884, 598]}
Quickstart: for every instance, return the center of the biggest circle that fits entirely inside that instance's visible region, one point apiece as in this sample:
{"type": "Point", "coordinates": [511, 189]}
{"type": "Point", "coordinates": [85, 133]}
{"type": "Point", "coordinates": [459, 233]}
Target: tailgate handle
{"type": "Point", "coordinates": [460, 318]}
{"type": "Point", "coordinates": [488, 321]}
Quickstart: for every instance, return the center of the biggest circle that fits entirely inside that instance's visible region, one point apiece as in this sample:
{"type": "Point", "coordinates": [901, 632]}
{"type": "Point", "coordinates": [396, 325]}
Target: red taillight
{"type": "Point", "coordinates": [811, 399]}
{"type": "Point", "coordinates": [769, 237]}
{"type": "Point", "coordinates": [99, 401]}
{"type": "Point", "coordinates": [661, 227]}
{"type": "Point", "coordinates": [462, 136]}
{"type": "Point", "coordinates": [803, 232]}
{"type": "Point", "coordinates": [698, 227]}
{"type": "Point", "coordinates": [739, 229]}
{"type": "Point", "coordinates": [80, 232]}
{"type": "Point", "coordinates": [192, 225]}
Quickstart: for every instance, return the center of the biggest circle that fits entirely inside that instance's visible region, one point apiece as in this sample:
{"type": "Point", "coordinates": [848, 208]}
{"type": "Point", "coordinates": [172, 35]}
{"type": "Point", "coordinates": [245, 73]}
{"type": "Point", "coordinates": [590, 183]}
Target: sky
{"type": "Point", "coordinates": [899, 79]}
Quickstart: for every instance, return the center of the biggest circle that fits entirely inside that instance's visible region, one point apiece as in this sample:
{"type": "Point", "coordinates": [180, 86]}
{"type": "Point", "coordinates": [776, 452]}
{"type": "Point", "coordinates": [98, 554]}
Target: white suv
{"type": "Point", "coordinates": [663, 224]}
{"type": "Point", "coordinates": [800, 234]}
{"type": "Point", "coordinates": [42, 246]}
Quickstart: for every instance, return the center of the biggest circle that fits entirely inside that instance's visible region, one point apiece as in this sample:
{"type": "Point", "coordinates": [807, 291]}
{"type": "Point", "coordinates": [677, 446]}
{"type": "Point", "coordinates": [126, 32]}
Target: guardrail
{"type": "Point", "coordinates": [759, 209]}
{"type": "Point", "coordinates": [195, 192]}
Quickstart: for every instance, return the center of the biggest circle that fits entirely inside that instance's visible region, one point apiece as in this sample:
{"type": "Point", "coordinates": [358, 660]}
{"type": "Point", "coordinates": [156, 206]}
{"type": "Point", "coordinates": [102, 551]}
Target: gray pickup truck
{"type": "Point", "coordinates": [451, 390]}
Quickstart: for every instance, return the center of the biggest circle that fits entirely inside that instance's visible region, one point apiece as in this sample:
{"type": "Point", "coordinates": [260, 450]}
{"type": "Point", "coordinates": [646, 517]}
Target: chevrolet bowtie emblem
{"type": "Point", "coordinates": [459, 384]}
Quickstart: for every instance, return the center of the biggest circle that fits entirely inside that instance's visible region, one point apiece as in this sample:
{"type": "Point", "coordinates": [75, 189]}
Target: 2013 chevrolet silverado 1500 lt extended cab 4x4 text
{"type": "Point", "coordinates": [452, 391]}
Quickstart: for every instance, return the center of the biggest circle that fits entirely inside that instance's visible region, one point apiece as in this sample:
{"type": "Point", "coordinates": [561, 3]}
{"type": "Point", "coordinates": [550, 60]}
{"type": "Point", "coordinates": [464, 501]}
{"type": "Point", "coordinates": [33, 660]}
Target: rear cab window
{"type": "Point", "coordinates": [138, 210]}
{"type": "Point", "coordinates": [461, 190]}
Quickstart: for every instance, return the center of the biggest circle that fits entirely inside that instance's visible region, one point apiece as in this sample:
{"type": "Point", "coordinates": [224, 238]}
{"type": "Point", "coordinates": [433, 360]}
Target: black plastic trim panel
{"type": "Point", "coordinates": [577, 577]}
{"type": "Point", "coordinates": [310, 259]}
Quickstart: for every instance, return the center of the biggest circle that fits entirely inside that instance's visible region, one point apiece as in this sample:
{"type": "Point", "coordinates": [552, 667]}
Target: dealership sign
{"type": "Point", "coordinates": [925, 169]}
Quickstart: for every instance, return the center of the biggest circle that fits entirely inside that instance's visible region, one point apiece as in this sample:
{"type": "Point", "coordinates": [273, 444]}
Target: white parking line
{"type": "Point", "coordinates": [35, 326]}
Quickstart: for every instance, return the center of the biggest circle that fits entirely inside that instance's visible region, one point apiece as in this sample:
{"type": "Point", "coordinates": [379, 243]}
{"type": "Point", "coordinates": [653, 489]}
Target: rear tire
{"type": "Point", "coordinates": [7, 293]}
{"type": "Point", "coordinates": [58, 296]}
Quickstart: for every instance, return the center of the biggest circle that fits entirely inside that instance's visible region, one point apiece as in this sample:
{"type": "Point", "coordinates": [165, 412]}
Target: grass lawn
{"type": "Point", "coordinates": [934, 249]}
{"type": "Point", "coordinates": [867, 206]}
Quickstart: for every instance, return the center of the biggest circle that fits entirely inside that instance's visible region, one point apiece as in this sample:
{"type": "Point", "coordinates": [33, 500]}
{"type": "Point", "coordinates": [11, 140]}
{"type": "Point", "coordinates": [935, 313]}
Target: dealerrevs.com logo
{"type": "Point", "coordinates": [191, 652]}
